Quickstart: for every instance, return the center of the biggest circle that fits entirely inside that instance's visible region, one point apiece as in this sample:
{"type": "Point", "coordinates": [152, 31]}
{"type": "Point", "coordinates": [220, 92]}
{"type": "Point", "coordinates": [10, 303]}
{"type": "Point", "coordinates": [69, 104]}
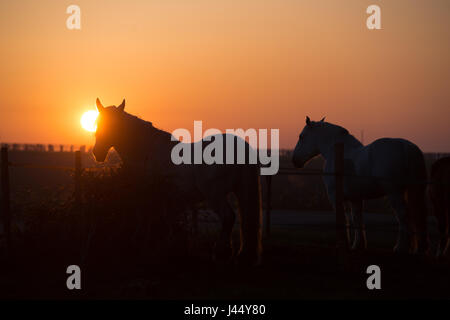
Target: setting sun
{"type": "Point", "coordinates": [88, 120]}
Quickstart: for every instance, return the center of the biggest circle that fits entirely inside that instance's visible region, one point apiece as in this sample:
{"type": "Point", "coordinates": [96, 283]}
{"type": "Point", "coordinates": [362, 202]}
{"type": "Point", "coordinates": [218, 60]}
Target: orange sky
{"type": "Point", "coordinates": [230, 63]}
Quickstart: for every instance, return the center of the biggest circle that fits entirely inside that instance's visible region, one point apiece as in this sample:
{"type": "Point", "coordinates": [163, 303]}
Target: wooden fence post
{"type": "Point", "coordinates": [341, 232]}
{"type": "Point", "coordinates": [78, 179]}
{"type": "Point", "coordinates": [5, 197]}
{"type": "Point", "coordinates": [268, 204]}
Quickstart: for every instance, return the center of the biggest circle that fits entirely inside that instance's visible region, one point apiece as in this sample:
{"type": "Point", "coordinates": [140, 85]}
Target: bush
{"type": "Point", "coordinates": [126, 221]}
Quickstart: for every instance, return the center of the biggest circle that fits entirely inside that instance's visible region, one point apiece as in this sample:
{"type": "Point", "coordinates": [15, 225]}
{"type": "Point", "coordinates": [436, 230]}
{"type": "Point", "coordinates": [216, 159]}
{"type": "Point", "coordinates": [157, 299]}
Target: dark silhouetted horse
{"type": "Point", "coordinates": [149, 150]}
{"type": "Point", "coordinates": [439, 192]}
{"type": "Point", "coordinates": [386, 167]}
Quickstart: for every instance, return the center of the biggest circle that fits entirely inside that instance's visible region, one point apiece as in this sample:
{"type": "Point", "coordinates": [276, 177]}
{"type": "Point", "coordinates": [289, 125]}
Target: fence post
{"type": "Point", "coordinates": [78, 178]}
{"type": "Point", "coordinates": [341, 232]}
{"type": "Point", "coordinates": [268, 204]}
{"type": "Point", "coordinates": [5, 197]}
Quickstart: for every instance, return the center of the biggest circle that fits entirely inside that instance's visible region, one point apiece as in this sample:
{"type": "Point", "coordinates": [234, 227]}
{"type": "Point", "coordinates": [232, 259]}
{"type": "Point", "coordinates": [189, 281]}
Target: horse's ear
{"type": "Point", "coordinates": [308, 120]}
{"type": "Point", "coordinates": [99, 105]}
{"type": "Point", "coordinates": [122, 106]}
{"type": "Point", "coordinates": [323, 119]}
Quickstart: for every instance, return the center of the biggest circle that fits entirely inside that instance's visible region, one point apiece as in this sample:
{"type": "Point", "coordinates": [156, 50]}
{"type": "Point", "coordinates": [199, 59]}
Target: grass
{"type": "Point", "coordinates": [133, 239]}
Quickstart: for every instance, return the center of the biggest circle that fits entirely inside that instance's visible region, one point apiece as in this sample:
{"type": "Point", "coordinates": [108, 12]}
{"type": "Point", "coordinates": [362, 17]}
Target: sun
{"type": "Point", "coordinates": [88, 120]}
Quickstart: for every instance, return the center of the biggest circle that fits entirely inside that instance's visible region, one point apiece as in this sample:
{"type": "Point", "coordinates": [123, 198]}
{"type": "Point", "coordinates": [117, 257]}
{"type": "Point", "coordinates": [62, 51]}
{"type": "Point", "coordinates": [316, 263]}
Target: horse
{"type": "Point", "coordinates": [148, 150]}
{"type": "Point", "coordinates": [391, 167]}
{"type": "Point", "coordinates": [439, 193]}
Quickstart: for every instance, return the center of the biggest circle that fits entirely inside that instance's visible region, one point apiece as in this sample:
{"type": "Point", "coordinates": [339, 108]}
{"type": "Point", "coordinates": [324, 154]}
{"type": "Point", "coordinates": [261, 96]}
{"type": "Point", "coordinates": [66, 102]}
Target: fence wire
{"type": "Point", "coordinates": [313, 172]}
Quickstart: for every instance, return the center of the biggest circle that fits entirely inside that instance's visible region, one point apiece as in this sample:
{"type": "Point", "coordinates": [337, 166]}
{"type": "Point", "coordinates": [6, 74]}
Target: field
{"type": "Point", "coordinates": [291, 270]}
{"type": "Point", "coordinates": [130, 244]}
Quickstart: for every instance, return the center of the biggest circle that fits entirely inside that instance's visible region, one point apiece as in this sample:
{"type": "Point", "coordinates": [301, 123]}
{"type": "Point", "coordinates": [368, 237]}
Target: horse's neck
{"type": "Point", "coordinates": [327, 147]}
{"type": "Point", "coordinates": [160, 143]}
{"type": "Point", "coordinates": [145, 145]}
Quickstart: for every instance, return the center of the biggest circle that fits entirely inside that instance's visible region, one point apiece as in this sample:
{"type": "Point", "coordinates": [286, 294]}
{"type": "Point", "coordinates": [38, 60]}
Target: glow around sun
{"type": "Point", "coordinates": [88, 120]}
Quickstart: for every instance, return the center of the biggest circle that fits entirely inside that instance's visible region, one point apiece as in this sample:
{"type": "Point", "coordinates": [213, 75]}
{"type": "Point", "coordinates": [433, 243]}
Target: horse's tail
{"type": "Point", "coordinates": [416, 197]}
{"type": "Point", "coordinates": [249, 197]}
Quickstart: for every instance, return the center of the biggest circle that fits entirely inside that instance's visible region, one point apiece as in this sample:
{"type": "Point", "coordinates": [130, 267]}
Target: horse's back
{"type": "Point", "coordinates": [440, 168]}
{"type": "Point", "coordinates": [440, 182]}
{"type": "Point", "coordinates": [387, 165]}
{"type": "Point", "coordinates": [222, 176]}
{"type": "Point", "coordinates": [398, 159]}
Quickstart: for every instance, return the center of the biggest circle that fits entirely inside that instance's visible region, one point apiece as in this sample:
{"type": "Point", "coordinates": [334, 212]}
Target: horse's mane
{"type": "Point", "coordinates": [341, 131]}
{"type": "Point", "coordinates": [338, 128]}
{"type": "Point", "coordinates": [131, 119]}
{"type": "Point", "coordinates": [144, 127]}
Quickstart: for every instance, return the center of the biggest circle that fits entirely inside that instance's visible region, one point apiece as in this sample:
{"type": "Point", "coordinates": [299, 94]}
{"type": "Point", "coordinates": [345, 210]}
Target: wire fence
{"type": "Point", "coordinates": [40, 147]}
{"type": "Point", "coordinates": [339, 176]}
{"type": "Point", "coordinates": [315, 172]}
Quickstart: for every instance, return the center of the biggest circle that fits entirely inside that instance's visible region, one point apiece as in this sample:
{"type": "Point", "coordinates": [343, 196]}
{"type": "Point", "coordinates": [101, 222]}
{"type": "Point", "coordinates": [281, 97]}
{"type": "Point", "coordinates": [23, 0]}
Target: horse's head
{"type": "Point", "coordinates": [308, 143]}
{"type": "Point", "coordinates": [109, 128]}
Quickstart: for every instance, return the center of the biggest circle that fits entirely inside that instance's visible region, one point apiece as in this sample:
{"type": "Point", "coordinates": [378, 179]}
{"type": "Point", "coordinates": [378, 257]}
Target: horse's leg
{"type": "Point", "coordinates": [348, 224]}
{"type": "Point", "coordinates": [446, 213]}
{"type": "Point", "coordinates": [399, 205]}
{"type": "Point", "coordinates": [226, 234]}
{"type": "Point", "coordinates": [441, 217]}
{"type": "Point", "coordinates": [358, 224]}
{"type": "Point", "coordinates": [224, 245]}
{"type": "Point", "coordinates": [417, 210]}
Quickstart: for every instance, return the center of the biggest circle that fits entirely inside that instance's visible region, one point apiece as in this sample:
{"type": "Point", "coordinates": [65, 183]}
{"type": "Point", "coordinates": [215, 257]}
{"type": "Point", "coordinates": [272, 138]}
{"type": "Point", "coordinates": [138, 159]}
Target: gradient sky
{"type": "Point", "coordinates": [230, 63]}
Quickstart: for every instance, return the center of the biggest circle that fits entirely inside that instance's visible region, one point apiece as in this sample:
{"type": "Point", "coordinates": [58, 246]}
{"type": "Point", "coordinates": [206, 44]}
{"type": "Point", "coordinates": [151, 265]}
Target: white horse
{"type": "Point", "coordinates": [148, 150]}
{"type": "Point", "coordinates": [387, 167]}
